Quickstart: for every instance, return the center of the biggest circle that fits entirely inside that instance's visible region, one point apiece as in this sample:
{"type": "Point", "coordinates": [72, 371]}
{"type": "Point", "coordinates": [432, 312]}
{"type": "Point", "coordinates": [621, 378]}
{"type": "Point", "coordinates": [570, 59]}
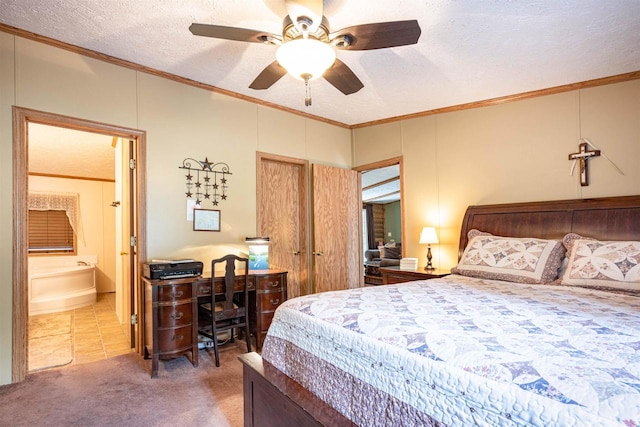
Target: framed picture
{"type": "Point", "coordinates": [206, 220]}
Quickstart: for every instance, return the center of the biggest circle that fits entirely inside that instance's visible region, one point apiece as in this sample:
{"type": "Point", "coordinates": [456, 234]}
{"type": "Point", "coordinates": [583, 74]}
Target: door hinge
{"type": "Point", "coordinates": [133, 240]}
{"type": "Point", "coordinates": [132, 164]}
{"type": "Point", "coordinates": [134, 319]}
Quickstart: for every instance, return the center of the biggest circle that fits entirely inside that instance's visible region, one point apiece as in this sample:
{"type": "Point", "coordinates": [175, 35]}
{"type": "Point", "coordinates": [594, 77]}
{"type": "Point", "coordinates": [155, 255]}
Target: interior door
{"type": "Point", "coordinates": [126, 226]}
{"type": "Point", "coordinates": [337, 230]}
{"type": "Point", "coordinates": [282, 216]}
{"type": "Point", "coordinates": [130, 270]}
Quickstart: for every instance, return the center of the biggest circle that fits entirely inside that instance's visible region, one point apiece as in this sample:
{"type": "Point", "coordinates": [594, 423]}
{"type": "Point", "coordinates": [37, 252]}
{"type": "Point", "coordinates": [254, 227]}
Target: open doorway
{"type": "Point", "coordinates": [106, 230]}
{"type": "Point", "coordinates": [77, 297]}
{"type": "Point", "coordinates": [382, 217]}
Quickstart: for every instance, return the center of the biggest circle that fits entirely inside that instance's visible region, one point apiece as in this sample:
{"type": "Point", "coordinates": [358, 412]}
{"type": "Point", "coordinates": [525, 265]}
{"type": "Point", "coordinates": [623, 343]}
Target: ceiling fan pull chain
{"type": "Point", "coordinates": [307, 87]}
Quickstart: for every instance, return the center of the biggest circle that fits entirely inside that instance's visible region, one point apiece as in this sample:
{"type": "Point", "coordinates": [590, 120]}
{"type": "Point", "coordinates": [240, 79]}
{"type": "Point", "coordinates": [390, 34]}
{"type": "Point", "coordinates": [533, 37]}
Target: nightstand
{"type": "Point", "coordinates": [394, 274]}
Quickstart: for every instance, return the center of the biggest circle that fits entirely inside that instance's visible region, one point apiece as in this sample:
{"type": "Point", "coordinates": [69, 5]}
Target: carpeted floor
{"type": "Point", "coordinates": [120, 392]}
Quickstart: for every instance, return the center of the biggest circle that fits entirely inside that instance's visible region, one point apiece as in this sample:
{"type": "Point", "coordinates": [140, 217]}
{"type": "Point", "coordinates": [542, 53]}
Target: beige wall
{"type": "Point", "coordinates": [514, 152]}
{"type": "Point", "coordinates": [181, 121]}
{"type": "Point", "coordinates": [97, 219]}
{"type": "Point", "coordinates": [6, 205]}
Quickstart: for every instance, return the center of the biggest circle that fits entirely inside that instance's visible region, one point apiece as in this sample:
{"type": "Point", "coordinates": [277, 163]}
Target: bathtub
{"type": "Point", "coordinates": [61, 283]}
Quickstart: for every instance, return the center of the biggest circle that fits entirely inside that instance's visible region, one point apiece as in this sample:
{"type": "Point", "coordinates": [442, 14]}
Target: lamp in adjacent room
{"type": "Point", "coordinates": [429, 237]}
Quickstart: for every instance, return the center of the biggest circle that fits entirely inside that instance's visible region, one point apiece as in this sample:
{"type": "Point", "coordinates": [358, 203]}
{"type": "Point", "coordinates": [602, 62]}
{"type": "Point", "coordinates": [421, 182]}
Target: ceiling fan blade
{"type": "Point", "coordinates": [342, 78]}
{"type": "Point", "coordinates": [311, 9]}
{"type": "Point", "coordinates": [379, 35]}
{"type": "Point", "coordinates": [271, 74]}
{"type": "Point", "coordinates": [231, 33]}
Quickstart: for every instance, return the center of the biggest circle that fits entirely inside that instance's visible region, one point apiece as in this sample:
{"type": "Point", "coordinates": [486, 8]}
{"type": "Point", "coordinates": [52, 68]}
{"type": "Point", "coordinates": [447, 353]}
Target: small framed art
{"type": "Point", "coordinates": [206, 220]}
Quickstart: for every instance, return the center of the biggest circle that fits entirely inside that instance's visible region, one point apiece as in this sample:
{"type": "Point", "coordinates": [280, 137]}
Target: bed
{"type": "Point", "coordinates": [500, 342]}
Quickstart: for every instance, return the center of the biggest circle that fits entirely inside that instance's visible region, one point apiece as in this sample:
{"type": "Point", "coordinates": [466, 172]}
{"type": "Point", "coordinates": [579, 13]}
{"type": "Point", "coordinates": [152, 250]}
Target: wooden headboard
{"type": "Point", "coordinates": [607, 218]}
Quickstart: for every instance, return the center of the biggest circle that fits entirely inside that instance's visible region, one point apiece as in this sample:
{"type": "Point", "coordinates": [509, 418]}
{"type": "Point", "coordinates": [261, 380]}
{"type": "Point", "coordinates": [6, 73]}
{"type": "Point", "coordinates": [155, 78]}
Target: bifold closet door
{"type": "Point", "coordinates": [336, 228]}
{"type": "Point", "coordinates": [282, 216]}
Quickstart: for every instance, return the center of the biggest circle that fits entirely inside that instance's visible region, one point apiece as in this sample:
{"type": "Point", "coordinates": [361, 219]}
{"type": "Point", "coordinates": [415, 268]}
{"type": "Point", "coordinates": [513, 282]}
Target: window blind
{"type": "Point", "coordinates": [50, 232]}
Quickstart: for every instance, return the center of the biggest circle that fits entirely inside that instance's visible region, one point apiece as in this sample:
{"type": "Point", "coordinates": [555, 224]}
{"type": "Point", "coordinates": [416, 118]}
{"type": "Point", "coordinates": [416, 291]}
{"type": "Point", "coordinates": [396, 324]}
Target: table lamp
{"type": "Point", "coordinates": [428, 237]}
{"type": "Point", "coordinates": [258, 252]}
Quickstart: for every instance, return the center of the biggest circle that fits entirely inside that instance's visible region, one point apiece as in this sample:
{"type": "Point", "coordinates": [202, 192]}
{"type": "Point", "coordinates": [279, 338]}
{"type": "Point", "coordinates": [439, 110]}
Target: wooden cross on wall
{"type": "Point", "coordinates": [583, 156]}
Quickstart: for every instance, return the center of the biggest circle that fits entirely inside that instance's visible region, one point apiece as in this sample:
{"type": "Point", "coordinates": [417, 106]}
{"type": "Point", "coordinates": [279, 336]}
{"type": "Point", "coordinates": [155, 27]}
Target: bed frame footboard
{"type": "Point", "coordinates": [273, 399]}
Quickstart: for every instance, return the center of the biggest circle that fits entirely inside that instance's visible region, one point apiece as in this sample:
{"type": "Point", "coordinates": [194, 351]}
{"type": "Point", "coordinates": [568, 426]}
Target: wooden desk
{"type": "Point", "coordinates": [393, 274]}
{"type": "Point", "coordinates": [171, 311]}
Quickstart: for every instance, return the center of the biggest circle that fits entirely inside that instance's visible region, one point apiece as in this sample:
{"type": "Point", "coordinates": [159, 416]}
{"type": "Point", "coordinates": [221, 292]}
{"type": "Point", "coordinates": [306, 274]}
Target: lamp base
{"type": "Point", "coordinates": [429, 256]}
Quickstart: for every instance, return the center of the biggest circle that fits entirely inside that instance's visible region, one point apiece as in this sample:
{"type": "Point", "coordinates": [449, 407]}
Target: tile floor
{"type": "Point", "coordinates": [97, 333]}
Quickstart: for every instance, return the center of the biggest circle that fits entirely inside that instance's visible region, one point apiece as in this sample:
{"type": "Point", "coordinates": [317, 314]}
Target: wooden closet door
{"type": "Point", "coordinates": [282, 215]}
{"type": "Point", "coordinates": [336, 229]}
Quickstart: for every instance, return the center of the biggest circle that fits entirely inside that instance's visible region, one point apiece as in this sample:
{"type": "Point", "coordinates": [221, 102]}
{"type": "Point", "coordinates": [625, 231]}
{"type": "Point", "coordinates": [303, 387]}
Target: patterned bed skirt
{"type": "Point", "coordinates": [360, 402]}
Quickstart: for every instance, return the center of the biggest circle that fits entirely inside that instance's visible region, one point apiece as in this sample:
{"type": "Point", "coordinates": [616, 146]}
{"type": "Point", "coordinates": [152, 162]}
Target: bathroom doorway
{"type": "Point", "coordinates": [111, 233]}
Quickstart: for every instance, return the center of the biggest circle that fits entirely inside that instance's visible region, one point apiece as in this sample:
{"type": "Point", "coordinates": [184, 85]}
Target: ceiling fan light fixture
{"type": "Point", "coordinates": [308, 57]}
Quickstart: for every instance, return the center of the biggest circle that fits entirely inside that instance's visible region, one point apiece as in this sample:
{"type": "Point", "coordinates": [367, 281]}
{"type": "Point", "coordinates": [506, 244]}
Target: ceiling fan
{"type": "Point", "coordinates": [307, 47]}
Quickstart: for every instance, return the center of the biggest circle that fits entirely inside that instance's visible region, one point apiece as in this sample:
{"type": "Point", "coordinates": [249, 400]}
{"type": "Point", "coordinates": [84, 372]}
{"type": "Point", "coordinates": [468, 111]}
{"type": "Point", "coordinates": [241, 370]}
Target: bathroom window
{"type": "Point", "coordinates": [50, 232]}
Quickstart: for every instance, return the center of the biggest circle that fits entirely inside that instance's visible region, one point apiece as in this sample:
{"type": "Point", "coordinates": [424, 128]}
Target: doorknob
{"type": "Point", "coordinates": [124, 253]}
{"type": "Point", "coordinates": [319, 253]}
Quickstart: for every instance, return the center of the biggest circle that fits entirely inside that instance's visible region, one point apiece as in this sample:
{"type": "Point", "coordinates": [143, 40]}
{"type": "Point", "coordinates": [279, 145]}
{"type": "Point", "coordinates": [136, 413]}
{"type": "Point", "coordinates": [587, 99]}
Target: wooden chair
{"type": "Point", "coordinates": [230, 309]}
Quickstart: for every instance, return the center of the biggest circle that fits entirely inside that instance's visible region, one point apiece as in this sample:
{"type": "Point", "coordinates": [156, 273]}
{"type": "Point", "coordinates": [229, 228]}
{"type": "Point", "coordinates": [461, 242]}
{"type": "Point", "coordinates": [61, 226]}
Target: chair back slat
{"type": "Point", "coordinates": [231, 312]}
{"type": "Point", "coordinates": [230, 277]}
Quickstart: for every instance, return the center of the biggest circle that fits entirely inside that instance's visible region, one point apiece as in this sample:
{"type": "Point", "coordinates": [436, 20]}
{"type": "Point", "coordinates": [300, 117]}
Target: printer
{"type": "Point", "coordinates": [172, 269]}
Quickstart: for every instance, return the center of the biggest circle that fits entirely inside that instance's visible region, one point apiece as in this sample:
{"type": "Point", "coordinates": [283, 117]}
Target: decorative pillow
{"type": "Point", "coordinates": [393, 253]}
{"type": "Point", "coordinates": [473, 233]}
{"type": "Point", "coordinates": [608, 264]}
{"type": "Point", "coordinates": [569, 239]}
{"type": "Point", "coordinates": [522, 260]}
{"type": "Point", "coordinates": [383, 249]}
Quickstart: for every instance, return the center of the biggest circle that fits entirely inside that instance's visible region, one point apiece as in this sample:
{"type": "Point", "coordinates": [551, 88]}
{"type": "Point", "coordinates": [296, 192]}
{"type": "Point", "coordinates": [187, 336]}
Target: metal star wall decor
{"type": "Point", "coordinates": [198, 180]}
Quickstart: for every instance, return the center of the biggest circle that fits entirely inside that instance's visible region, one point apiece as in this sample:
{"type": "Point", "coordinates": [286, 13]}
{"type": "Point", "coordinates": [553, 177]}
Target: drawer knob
{"type": "Point", "coordinates": [206, 290]}
{"type": "Point", "coordinates": [177, 316]}
{"type": "Point", "coordinates": [275, 301]}
{"type": "Point", "coordinates": [177, 294]}
{"type": "Point", "coordinates": [177, 338]}
{"type": "Point", "coordinates": [275, 284]}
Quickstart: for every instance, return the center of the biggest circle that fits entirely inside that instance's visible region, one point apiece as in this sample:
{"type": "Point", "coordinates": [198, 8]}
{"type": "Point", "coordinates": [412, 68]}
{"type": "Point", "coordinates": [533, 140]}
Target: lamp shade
{"type": "Point", "coordinates": [257, 240]}
{"type": "Point", "coordinates": [428, 236]}
{"type": "Point", "coordinates": [306, 57]}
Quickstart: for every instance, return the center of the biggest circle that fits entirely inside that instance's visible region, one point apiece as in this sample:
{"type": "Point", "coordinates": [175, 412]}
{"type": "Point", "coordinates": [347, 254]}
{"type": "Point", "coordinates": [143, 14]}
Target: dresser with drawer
{"type": "Point", "coordinates": [171, 312]}
{"type": "Point", "coordinates": [271, 291]}
{"type": "Point", "coordinates": [171, 320]}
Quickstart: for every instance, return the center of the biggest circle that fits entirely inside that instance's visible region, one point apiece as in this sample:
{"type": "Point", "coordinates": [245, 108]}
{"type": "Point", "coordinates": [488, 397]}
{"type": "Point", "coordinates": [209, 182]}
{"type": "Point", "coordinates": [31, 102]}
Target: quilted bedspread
{"type": "Point", "coordinates": [466, 351]}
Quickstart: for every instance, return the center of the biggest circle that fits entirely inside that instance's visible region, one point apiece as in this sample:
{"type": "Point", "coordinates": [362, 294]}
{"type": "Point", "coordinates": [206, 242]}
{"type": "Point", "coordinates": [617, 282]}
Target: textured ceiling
{"type": "Point", "coordinates": [469, 50]}
{"type": "Point", "coordinates": [381, 185]}
{"type": "Point", "coordinates": [70, 153]}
